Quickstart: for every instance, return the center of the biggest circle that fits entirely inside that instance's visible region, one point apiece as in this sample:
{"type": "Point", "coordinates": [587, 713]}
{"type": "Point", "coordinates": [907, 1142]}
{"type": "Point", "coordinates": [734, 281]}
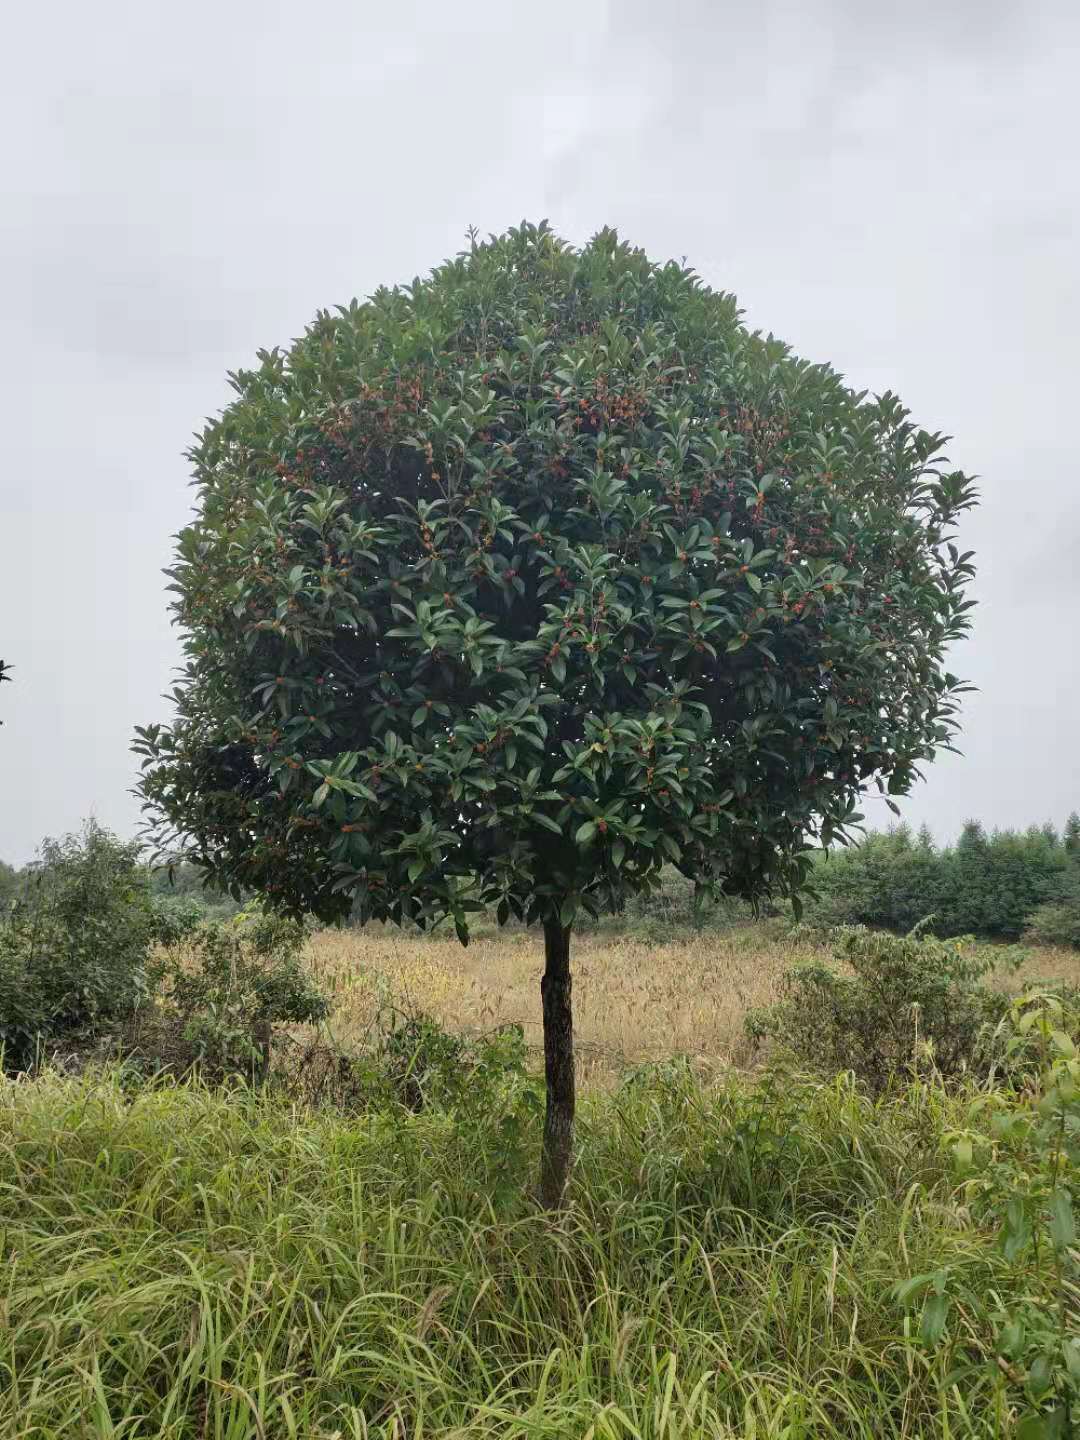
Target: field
{"type": "Point", "coordinates": [182, 1263]}
{"type": "Point", "coordinates": [637, 997]}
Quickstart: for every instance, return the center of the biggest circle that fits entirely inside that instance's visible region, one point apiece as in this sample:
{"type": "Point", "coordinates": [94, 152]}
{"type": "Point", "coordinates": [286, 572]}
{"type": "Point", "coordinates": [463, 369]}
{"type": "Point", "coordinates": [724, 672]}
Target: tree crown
{"type": "Point", "coordinates": [510, 585]}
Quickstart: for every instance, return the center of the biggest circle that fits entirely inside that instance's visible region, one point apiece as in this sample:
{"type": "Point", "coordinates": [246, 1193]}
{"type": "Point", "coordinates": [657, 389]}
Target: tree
{"type": "Point", "coordinates": [5, 674]}
{"type": "Point", "coordinates": [9, 884]}
{"type": "Point", "coordinates": [509, 586]}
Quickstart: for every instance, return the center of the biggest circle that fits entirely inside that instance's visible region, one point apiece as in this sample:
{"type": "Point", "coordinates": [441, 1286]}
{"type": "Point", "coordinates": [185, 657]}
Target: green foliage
{"type": "Point", "coordinates": [229, 984]}
{"type": "Point", "coordinates": [509, 587]}
{"type": "Point", "coordinates": [74, 947]}
{"type": "Point", "coordinates": [9, 885]}
{"type": "Point", "coordinates": [181, 1261]}
{"type": "Point", "coordinates": [1057, 921]}
{"type": "Point", "coordinates": [905, 1001]}
{"type": "Point", "coordinates": [984, 885]}
{"type": "Point", "coordinates": [1017, 1157]}
{"type": "Point", "coordinates": [186, 883]}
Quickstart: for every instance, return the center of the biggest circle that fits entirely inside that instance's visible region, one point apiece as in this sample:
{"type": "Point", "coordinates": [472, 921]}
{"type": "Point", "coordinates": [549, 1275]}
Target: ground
{"type": "Point", "coordinates": [186, 1262]}
{"type": "Point", "coordinates": [636, 997]}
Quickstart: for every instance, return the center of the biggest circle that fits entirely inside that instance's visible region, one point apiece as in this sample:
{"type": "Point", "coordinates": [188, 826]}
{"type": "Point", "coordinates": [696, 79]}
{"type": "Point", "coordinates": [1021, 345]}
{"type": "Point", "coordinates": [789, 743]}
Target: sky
{"type": "Point", "coordinates": [892, 188]}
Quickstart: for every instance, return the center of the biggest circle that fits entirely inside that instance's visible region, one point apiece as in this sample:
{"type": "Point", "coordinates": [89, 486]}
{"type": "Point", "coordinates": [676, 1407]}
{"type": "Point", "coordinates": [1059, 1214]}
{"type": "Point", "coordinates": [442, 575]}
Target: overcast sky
{"type": "Point", "coordinates": [893, 188]}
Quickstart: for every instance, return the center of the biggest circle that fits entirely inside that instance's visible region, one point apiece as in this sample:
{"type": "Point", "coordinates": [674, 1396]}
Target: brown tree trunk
{"type": "Point", "coordinates": [555, 990]}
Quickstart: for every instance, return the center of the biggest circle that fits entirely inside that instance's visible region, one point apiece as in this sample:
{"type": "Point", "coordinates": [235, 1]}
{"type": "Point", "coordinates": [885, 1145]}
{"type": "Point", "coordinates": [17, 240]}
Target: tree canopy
{"type": "Point", "coordinates": [511, 585]}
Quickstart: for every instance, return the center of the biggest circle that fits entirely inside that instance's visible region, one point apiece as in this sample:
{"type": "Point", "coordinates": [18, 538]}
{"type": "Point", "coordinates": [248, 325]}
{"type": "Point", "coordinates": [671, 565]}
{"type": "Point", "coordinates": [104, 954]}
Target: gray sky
{"type": "Point", "coordinates": [893, 188]}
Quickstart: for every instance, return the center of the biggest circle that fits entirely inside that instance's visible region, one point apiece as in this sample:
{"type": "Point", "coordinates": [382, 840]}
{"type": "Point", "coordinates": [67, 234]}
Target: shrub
{"type": "Point", "coordinates": [176, 916]}
{"type": "Point", "coordinates": [1017, 1158]}
{"type": "Point", "coordinates": [9, 885]}
{"type": "Point", "coordinates": [904, 995]}
{"type": "Point", "coordinates": [1057, 922]}
{"type": "Point", "coordinates": [74, 948]}
{"type": "Point", "coordinates": [226, 988]}
{"type": "Point", "coordinates": [426, 1065]}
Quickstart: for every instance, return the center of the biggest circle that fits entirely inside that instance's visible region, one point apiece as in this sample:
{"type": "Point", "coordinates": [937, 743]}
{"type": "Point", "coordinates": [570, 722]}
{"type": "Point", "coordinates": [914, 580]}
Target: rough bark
{"type": "Point", "coordinates": [555, 994]}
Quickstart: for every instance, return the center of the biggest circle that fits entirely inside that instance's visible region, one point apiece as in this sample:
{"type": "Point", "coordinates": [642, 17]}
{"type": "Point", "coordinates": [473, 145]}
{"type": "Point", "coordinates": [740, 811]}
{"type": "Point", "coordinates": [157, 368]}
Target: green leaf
{"type": "Point", "coordinates": [568, 910]}
{"type": "Point", "coordinates": [935, 1313]}
{"type": "Point", "coordinates": [906, 1290]}
{"type": "Point", "coordinates": [1036, 1427]}
{"type": "Point", "coordinates": [1062, 1221]}
{"type": "Point", "coordinates": [546, 821]}
{"type": "Point", "coordinates": [1016, 1232]}
{"type": "Point", "coordinates": [320, 794]}
{"type": "Point", "coordinates": [1063, 1044]}
{"type": "Point", "coordinates": [1011, 1338]}
{"type": "Point", "coordinates": [585, 832]}
{"type": "Point", "coordinates": [618, 853]}
{"type": "Point", "coordinates": [1041, 1374]}
{"type": "Point", "coordinates": [419, 715]}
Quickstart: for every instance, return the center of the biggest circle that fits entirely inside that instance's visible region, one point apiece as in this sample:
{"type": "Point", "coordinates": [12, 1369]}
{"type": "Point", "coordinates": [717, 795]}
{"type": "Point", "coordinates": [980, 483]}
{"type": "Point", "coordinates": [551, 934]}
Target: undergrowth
{"type": "Point", "coordinates": [187, 1262]}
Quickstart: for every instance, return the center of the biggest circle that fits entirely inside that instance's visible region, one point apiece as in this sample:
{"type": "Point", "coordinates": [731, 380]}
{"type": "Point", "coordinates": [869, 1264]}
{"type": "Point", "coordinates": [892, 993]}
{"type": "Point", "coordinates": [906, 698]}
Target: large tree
{"type": "Point", "coordinates": [509, 586]}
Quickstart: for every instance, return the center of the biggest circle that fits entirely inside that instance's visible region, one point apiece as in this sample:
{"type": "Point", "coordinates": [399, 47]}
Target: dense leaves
{"type": "Point", "coordinates": [898, 1005]}
{"type": "Point", "coordinates": [509, 586]}
{"type": "Point", "coordinates": [73, 944]}
{"type": "Point", "coordinates": [992, 885]}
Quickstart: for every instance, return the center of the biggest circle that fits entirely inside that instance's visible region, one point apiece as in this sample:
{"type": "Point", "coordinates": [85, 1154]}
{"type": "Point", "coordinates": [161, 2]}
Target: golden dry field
{"type": "Point", "coordinates": [635, 998]}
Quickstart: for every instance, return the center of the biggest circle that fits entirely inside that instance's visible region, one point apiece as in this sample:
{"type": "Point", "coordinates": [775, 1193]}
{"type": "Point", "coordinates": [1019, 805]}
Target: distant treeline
{"type": "Point", "coordinates": [184, 885]}
{"type": "Point", "coordinates": [1004, 885]}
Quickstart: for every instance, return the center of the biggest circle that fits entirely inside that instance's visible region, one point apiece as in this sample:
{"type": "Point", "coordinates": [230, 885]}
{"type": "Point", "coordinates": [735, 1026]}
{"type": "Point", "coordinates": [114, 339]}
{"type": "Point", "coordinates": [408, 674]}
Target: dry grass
{"type": "Point", "coordinates": [635, 998]}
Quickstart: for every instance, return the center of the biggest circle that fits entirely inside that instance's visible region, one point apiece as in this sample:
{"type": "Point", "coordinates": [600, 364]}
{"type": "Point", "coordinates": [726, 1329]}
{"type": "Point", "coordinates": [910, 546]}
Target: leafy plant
{"type": "Point", "coordinates": [512, 586]}
{"type": "Point", "coordinates": [1057, 922]}
{"type": "Point", "coordinates": [905, 998]}
{"type": "Point", "coordinates": [1017, 1159]}
{"type": "Point", "coordinates": [74, 948]}
{"type": "Point", "coordinates": [231, 983]}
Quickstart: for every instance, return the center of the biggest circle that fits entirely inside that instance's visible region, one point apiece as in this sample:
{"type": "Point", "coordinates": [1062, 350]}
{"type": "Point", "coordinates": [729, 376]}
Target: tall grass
{"type": "Point", "coordinates": [185, 1263]}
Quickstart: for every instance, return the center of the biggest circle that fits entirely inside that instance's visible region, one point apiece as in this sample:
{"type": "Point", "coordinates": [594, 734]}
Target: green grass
{"type": "Point", "coordinates": [182, 1263]}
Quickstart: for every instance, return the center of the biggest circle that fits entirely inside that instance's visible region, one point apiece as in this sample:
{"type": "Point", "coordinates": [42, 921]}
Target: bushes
{"type": "Point", "coordinates": [1016, 1156]}
{"type": "Point", "coordinates": [226, 987]}
{"type": "Point", "coordinates": [1057, 922]}
{"type": "Point", "coordinates": [74, 948]}
{"type": "Point", "coordinates": [75, 967]}
{"type": "Point", "coordinates": [905, 994]}
{"type": "Point", "coordinates": [984, 885]}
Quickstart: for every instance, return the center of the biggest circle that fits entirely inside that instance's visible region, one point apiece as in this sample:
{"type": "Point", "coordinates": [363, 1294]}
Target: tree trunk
{"type": "Point", "coordinates": [555, 990]}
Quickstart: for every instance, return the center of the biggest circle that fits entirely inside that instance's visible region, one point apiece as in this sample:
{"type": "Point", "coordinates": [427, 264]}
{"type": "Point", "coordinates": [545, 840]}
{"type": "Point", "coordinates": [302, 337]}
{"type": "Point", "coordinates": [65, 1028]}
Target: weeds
{"type": "Point", "coordinates": [191, 1263]}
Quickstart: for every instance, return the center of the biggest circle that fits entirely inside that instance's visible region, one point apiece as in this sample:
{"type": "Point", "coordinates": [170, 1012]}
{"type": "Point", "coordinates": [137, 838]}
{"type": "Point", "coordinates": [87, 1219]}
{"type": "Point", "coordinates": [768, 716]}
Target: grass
{"type": "Point", "coordinates": [190, 1264]}
{"type": "Point", "coordinates": [638, 996]}
{"type": "Point", "coordinates": [180, 1263]}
